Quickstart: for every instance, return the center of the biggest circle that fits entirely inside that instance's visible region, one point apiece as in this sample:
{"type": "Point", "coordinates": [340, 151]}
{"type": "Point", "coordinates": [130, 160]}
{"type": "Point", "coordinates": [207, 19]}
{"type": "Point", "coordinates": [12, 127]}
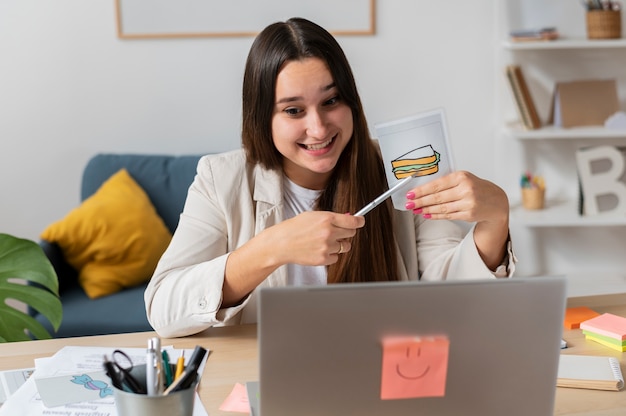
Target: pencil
{"type": "Point", "coordinates": [180, 365]}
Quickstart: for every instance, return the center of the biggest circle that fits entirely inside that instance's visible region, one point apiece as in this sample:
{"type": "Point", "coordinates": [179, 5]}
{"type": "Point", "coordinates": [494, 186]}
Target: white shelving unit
{"type": "Point", "coordinates": [564, 213]}
{"type": "Point", "coordinates": [566, 44]}
{"type": "Point", "coordinates": [557, 240]}
{"type": "Point", "coordinates": [555, 133]}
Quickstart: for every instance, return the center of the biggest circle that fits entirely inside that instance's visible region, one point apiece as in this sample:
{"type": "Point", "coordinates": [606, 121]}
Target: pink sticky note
{"type": "Point", "coordinates": [237, 400]}
{"type": "Point", "coordinates": [414, 367]}
{"type": "Point", "coordinates": [607, 324]}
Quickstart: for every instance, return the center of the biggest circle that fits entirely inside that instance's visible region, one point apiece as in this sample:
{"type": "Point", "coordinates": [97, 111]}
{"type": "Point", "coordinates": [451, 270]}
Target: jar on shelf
{"type": "Point", "coordinates": [604, 24]}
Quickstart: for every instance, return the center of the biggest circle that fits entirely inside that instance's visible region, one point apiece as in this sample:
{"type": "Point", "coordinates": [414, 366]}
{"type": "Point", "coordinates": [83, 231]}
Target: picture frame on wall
{"type": "Point", "coordinates": [145, 19]}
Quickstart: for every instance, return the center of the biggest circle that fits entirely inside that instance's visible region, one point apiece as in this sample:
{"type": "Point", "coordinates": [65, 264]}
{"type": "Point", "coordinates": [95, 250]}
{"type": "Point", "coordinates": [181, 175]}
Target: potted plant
{"type": "Point", "coordinates": [27, 276]}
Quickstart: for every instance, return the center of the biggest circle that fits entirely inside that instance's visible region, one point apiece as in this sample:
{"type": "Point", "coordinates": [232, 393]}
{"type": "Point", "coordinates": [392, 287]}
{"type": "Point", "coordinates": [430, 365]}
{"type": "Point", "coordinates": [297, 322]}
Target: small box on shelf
{"type": "Point", "coordinates": [587, 102]}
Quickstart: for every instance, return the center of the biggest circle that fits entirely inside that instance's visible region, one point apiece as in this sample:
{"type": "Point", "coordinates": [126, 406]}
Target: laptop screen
{"type": "Point", "coordinates": [482, 347]}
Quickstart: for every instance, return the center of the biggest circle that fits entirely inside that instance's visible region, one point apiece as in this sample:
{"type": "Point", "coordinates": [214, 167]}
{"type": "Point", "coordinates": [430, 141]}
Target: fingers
{"type": "Point", "coordinates": [437, 199]}
{"type": "Point", "coordinates": [315, 237]}
{"type": "Point", "coordinates": [347, 221]}
{"type": "Point", "coordinates": [346, 225]}
{"type": "Point", "coordinates": [458, 196]}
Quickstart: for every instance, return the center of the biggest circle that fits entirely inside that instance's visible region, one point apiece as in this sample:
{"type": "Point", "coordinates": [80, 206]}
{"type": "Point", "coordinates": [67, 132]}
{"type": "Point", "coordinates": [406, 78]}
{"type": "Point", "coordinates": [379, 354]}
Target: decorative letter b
{"type": "Point", "coordinates": [596, 184]}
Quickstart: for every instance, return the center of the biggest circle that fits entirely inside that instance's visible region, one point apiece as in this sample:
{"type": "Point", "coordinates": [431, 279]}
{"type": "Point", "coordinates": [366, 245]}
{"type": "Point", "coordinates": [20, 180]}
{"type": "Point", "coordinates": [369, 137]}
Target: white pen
{"type": "Point", "coordinates": [154, 367]}
{"type": "Point", "coordinates": [376, 202]}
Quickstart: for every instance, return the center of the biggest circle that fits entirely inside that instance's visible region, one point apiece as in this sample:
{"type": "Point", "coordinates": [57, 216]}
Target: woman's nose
{"type": "Point", "coordinates": [316, 125]}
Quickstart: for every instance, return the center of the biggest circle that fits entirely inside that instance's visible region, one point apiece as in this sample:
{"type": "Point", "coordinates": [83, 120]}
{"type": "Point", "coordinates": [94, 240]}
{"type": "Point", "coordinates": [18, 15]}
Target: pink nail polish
{"type": "Point", "coordinates": [409, 205]}
{"type": "Point", "coordinates": [426, 216]}
{"type": "Point", "coordinates": [410, 195]}
{"type": "Point", "coordinates": [417, 211]}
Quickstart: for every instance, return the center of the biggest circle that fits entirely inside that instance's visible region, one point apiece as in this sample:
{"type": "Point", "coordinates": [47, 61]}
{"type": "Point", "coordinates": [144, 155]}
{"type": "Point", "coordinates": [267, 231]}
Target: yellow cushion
{"type": "Point", "coordinates": [114, 239]}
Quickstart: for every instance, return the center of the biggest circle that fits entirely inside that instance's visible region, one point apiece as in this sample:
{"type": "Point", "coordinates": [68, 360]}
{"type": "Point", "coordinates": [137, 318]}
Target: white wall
{"type": "Point", "coordinates": [69, 88]}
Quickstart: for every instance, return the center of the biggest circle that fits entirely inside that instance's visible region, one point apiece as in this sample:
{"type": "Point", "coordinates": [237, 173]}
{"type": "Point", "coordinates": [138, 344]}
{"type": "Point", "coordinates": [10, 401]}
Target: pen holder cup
{"type": "Point", "coordinates": [533, 198]}
{"type": "Point", "coordinates": [604, 24]}
{"type": "Point", "coordinates": [179, 403]}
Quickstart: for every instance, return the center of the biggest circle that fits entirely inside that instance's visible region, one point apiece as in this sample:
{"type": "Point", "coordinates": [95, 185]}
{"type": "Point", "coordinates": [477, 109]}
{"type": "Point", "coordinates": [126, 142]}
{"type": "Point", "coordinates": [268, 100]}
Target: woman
{"type": "Point", "coordinates": [277, 212]}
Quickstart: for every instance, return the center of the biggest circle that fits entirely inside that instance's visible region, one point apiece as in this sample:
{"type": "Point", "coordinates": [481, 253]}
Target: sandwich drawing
{"type": "Point", "coordinates": [422, 161]}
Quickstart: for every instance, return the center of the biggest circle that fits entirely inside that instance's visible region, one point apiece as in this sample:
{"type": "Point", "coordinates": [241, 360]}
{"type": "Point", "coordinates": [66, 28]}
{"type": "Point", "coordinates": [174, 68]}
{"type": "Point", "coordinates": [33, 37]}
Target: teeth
{"type": "Point", "coordinates": [317, 146]}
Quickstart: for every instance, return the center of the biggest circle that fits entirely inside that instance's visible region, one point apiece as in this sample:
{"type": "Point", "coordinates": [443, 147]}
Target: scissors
{"type": "Point", "coordinates": [119, 371]}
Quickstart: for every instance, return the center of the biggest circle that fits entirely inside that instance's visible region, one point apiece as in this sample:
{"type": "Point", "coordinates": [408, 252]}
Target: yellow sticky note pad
{"type": "Point", "coordinates": [414, 366]}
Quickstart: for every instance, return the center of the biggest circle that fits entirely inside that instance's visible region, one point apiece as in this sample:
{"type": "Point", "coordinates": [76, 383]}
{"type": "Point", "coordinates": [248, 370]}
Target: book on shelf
{"type": "Point", "coordinates": [590, 372]}
{"type": "Point", "coordinates": [529, 35]}
{"type": "Point", "coordinates": [523, 99]}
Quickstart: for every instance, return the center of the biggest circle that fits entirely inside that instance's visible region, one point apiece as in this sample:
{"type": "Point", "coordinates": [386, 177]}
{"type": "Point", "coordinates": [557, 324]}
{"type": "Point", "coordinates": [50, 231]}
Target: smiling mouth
{"type": "Point", "coordinates": [318, 146]}
{"type": "Point", "coordinates": [411, 377]}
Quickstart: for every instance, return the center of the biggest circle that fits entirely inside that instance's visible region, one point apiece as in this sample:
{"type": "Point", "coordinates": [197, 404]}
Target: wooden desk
{"type": "Point", "coordinates": [234, 359]}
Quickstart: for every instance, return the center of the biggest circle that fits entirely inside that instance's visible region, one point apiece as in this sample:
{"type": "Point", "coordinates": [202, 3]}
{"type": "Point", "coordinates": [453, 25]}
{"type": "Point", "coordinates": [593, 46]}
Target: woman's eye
{"type": "Point", "coordinates": [292, 111]}
{"type": "Point", "coordinates": [332, 101]}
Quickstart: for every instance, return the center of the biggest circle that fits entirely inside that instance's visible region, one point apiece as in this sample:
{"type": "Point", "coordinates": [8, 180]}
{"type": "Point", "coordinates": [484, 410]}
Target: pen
{"type": "Point", "coordinates": [180, 365]}
{"type": "Point", "coordinates": [367, 208]}
{"type": "Point", "coordinates": [167, 368]}
{"type": "Point", "coordinates": [154, 367]}
{"type": "Point", "coordinates": [189, 373]}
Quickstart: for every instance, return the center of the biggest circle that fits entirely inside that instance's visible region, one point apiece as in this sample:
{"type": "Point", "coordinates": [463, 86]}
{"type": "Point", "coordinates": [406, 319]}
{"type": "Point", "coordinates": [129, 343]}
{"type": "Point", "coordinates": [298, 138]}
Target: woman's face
{"type": "Point", "coordinates": [311, 124]}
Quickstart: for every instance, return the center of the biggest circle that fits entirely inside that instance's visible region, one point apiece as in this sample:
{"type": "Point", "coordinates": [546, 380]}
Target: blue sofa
{"type": "Point", "coordinates": [166, 180]}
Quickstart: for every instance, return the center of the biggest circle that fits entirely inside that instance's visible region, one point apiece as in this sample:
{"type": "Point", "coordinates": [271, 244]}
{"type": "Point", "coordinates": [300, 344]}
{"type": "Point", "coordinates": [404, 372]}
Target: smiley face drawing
{"type": "Point", "coordinates": [414, 366]}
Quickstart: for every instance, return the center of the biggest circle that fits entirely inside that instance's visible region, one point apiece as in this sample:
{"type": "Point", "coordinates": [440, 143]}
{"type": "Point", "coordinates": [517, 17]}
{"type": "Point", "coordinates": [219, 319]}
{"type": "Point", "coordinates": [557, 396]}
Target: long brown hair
{"type": "Point", "coordinates": [359, 175]}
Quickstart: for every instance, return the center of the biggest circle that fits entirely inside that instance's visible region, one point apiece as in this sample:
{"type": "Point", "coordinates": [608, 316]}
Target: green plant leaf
{"type": "Point", "coordinates": [22, 264]}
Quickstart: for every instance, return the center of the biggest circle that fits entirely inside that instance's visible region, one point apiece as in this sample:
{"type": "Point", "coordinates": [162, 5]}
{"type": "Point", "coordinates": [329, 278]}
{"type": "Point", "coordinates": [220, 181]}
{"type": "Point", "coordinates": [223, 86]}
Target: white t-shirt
{"type": "Point", "coordinates": [297, 200]}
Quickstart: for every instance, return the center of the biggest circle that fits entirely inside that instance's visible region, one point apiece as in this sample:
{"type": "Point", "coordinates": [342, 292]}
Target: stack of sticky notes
{"type": "Point", "coordinates": [606, 329]}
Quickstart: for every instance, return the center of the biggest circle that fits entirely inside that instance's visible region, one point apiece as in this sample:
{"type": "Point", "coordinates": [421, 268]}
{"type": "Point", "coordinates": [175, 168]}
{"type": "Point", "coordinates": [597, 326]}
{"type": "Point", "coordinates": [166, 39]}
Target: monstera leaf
{"type": "Point", "coordinates": [23, 262]}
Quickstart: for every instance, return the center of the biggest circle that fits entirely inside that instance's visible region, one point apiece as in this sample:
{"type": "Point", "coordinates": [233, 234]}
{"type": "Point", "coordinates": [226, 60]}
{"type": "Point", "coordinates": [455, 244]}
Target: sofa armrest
{"type": "Point", "coordinates": [67, 275]}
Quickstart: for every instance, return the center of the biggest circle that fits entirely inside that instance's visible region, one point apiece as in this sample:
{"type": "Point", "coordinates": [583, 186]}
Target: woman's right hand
{"type": "Point", "coordinates": [313, 238]}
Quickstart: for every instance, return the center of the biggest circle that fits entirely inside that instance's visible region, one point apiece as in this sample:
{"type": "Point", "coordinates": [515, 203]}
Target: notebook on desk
{"type": "Point", "coordinates": [487, 347]}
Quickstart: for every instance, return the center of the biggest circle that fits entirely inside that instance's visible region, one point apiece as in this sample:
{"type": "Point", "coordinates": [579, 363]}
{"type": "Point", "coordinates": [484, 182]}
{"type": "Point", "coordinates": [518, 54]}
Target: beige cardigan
{"type": "Point", "coordinates": [231, 201]}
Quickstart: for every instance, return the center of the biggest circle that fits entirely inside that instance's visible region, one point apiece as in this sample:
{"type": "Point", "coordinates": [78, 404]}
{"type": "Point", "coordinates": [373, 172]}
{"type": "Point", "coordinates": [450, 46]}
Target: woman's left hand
{"type": "Point", "coordinates": [460, 196]}
{"type": "Point", "coordinates": [463, 196]}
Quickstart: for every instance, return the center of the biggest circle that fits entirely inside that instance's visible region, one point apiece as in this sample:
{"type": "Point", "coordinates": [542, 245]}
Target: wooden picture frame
{"type": "Point", "coordinates": [153, 19]}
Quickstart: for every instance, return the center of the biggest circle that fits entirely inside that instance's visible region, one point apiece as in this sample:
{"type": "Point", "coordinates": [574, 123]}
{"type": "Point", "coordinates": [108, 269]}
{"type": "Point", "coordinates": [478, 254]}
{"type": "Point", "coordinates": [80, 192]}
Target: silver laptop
{"type": "Point", "coordinates": [485, 347]}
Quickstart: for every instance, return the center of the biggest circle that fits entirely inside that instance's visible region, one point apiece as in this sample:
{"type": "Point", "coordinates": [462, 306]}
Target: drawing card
{"type": "Point", "coordinates": [416, 146]}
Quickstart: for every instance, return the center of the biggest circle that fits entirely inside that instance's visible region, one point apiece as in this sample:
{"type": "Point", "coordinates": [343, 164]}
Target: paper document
{"type": "Point", "coordinates": [12, 380]}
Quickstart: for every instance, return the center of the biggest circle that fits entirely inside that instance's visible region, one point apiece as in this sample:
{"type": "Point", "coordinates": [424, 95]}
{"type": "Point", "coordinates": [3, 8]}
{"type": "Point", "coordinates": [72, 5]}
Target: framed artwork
{"type": "Point", "coordinates": [145, 19]}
